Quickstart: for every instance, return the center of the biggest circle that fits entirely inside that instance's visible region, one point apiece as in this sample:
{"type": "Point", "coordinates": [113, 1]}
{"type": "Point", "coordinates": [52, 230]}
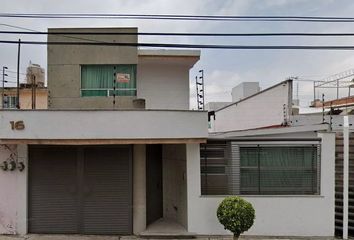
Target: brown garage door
{"type": "Point", "coordinates": [85, 190]}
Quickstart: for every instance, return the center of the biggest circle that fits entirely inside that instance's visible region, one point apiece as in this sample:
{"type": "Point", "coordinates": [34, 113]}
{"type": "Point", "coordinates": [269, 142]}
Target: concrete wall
{"type": "Point", "coordinates": [164, 81]}
{"type": "Point", "coordinates": [13, 197]}
{"type": "Point", "coordinates": [275, 215]}
{"type": "Point", "coordinates": [264, 109]}
{"type": "Point", "coordinates": [120, 124]}
{"type": "Point", "coordinates": [174, 183]}
{"type": "Point", "coordinates": [64, 71]}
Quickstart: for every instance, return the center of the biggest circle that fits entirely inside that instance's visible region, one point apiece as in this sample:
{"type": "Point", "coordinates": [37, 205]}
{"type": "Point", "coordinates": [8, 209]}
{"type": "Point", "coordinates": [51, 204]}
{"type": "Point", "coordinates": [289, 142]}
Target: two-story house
{"type": "Point", "coordinates": [119, 152]}
{"type": "Point", "coordinates": [109, 155]}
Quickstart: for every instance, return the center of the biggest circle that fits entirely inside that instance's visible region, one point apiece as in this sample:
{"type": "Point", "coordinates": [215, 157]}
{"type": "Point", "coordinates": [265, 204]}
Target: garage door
{"type": "Point", "coordinates": [83, 190]}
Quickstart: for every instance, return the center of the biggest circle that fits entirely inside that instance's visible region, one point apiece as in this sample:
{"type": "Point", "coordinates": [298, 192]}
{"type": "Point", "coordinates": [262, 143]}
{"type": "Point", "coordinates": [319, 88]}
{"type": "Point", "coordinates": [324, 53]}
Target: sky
{"type": "Point", "coordinates": [223, 69]}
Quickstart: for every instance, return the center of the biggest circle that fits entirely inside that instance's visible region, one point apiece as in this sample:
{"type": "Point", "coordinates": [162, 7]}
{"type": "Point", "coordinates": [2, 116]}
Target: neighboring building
{"type": "Point", "coordinates": [244, 90]}
{"type": "Point", "coordinates": [212, 106]}
{"type": "Point", "coordinates": [32, 94]}
{"type": "Point", "coordinates": [270, 107]}
{"type": "Point", "coordinates": [26, 97]}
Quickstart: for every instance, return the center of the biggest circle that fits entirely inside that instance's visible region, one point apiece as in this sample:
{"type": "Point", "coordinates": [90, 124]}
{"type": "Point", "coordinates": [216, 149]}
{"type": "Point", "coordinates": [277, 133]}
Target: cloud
{"type": "Point", "coordinates": [218, 86]}
{"type": "Point", "coordinates": [223, 68]}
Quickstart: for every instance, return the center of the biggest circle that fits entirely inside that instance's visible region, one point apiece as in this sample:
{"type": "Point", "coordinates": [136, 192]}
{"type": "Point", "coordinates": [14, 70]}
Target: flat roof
{"type": "Point", "coordinates": [169, 53]}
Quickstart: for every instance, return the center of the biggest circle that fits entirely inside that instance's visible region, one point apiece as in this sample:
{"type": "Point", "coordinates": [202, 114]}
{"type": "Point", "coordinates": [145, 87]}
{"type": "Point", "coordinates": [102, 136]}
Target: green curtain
{"type": "Point", "coordinates": [278, 170]}
{"type": "Point", "coordinates": [96, 77]}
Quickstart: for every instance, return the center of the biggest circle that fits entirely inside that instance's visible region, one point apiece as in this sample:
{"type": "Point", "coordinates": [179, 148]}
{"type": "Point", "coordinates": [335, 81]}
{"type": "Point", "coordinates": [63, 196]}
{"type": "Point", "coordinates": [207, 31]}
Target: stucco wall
{"type": "Point", "coordinates": [275, 215]}
{"type": "Point", "coordinates": [263, 109]}
{"type": "Point", "coordinates": [41, 99]}
{"type": "Point", "coordinates": [64, 71]}
{"type": "Point", "coordinates": [174, 183]}
{"type": "Point", "coordinates": [134, 124]}
{"type": "Point", "coordinates": [13, 197]}
{"type": "Point", "coordinates": [164, 83]}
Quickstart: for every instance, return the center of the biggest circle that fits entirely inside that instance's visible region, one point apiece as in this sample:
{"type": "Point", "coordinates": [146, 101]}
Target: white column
{"type": "Point", "coordinates": [139, 188]}
{"type": "Point", "coordinates": [193, 185]}
{"type": "Point", "coordinates": [345, 175]}
{"type": "Point", "coordinates": [22, 156]}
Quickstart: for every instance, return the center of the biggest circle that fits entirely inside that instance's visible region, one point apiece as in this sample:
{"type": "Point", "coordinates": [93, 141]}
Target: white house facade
{"type": "Point", "coordinates": [119, 152]}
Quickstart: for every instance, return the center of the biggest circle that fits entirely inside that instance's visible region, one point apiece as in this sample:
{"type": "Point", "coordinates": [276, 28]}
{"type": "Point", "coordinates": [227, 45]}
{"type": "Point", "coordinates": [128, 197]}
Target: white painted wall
{"type": "Point", "coordinates": [139, 188]}
{"type": "Point", "coordinates": [263, 109]}
{"type": "Point", "coordinates": [164, 82]}
{"type": "Point", "coordinates": [13, 196]}
{"type": "Point", "coordinates": [275, 215]}
{"type": "Point", "coordinates": [122, 124]}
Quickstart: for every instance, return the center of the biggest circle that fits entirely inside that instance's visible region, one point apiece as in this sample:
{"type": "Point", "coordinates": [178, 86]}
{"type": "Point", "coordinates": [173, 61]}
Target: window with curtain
{"type": "Point", "coordinates": [107, 80]}
{"type": "Point", "coordinates": [229, 168]}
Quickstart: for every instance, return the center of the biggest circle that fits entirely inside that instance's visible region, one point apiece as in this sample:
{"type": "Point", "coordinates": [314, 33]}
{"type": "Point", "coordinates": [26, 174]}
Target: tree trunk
{"type": "Point", "coordinates": [236, 237]}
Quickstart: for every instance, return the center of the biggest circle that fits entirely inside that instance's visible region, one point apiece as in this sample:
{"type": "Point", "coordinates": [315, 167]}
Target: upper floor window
{"type": "Point", "coordinates": [105, 80]}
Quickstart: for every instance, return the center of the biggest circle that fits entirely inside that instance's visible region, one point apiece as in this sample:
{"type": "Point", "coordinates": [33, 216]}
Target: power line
{"type": "Point", "coordinates": [196, 46]}
{"type": "Point", "coordinates": [184, 34]}
{"type": "Point", "coordinates": [35, 31]}
{"type": "Point", "coordinates": [15, 72]}
{"type": "Point", "coordinates": [7, 81]}
{"type": "Point", "coordinates": [179, 17]}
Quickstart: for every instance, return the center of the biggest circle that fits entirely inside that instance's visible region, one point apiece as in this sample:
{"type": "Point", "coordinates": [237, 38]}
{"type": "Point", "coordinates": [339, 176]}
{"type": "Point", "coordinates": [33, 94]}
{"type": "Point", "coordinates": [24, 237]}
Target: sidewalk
{"type": "Point", "coordinates": [95, 237]}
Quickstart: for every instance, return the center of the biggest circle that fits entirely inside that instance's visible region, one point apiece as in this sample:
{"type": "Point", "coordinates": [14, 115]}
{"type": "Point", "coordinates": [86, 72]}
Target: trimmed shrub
{"type": "Point", "coordinates": [236, 214]}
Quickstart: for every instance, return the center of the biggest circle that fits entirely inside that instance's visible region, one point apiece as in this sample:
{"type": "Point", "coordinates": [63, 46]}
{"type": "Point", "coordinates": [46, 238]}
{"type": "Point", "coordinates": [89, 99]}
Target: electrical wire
{"type": "Point", "coordinates": [15, 72]}
{"type": "Point", "coordinates": [194, 46]}
{"type": "Point", "coordinates": [178, 17]}
{"type": "Point", "coordinates": [36, 32]}
{"type": "Point", "coordinates": [186, 34]}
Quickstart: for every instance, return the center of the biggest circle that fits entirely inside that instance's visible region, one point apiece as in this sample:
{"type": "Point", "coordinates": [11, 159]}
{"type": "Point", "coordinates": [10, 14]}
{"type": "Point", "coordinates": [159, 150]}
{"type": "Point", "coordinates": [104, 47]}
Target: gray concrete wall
{"type": "Point", "coordinates": [64, 61]}
{"type": "Point", "coordinates": [174, 183]}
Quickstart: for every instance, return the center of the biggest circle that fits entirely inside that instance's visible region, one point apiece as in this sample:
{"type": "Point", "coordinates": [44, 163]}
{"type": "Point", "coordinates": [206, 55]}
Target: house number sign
{"type": "Point", "coordinates": [17, 125]}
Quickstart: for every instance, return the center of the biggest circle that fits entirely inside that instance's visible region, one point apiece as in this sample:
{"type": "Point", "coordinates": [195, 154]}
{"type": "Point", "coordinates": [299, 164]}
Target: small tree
{"type": "Point", "coordinates": [236, 214]}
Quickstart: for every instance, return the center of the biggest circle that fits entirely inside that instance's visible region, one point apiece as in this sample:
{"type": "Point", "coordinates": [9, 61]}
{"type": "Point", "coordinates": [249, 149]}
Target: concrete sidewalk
{"type": "Point", "coordinates": [96, 237]}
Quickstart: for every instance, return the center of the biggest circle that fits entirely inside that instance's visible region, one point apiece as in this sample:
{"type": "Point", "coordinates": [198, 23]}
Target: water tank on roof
{"type": "Point", "coordinates": [35, 74]}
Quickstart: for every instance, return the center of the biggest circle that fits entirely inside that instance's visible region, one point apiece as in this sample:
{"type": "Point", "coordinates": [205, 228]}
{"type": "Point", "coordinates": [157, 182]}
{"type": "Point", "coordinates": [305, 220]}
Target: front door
{"type": "Point", "coordinates": [153, 183]}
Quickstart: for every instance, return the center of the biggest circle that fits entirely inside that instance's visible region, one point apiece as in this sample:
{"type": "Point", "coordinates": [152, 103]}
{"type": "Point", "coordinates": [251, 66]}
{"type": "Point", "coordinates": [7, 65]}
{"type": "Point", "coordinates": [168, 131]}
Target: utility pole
{"type": "Point", "coordinates": [3, 86]}
{"type": "Point", "coordinates": [34, 85]}
{"type": "Point", "coordinates": [18, 74]}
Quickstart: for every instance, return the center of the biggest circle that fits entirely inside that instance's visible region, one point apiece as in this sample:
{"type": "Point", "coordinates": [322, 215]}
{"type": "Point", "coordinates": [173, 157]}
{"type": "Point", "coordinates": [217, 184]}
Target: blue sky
{"type": "Point", "coordinates": [223, 68]}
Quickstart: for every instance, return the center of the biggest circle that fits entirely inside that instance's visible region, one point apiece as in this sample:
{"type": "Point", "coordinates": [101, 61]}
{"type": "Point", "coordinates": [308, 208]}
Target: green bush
{"type": "Point", "coordinates": [236, 214]}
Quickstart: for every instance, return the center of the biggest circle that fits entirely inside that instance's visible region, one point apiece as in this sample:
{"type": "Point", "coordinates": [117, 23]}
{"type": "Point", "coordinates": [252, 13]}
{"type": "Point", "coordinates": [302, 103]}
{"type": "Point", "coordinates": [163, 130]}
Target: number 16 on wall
{"type": "Point", "coordinates": [17, 125]}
